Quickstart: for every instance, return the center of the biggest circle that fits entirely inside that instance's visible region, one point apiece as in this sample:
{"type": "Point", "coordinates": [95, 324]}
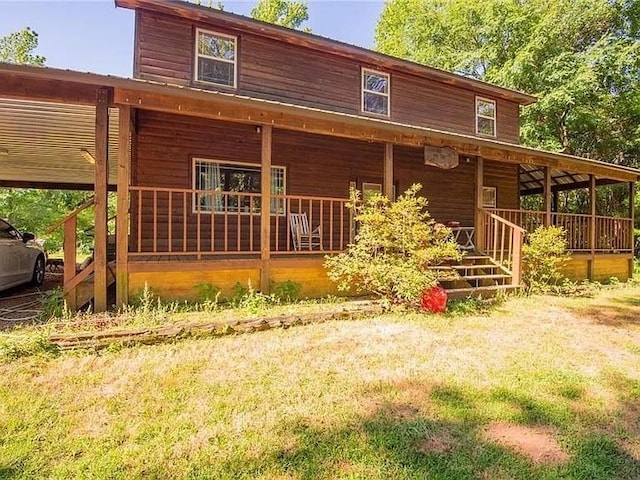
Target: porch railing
{"type": "Point", "coordinates": [176, 222]}
{"type": "Point", "coordinates": [611, 234]}
{"type": "Point", "coordinates": [502, 241]}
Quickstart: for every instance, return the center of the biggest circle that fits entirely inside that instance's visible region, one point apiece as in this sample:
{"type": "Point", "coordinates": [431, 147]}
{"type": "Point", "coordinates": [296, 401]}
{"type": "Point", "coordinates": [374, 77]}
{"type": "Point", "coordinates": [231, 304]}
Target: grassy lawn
{"type": "Point", "coordinates": [541, 388]}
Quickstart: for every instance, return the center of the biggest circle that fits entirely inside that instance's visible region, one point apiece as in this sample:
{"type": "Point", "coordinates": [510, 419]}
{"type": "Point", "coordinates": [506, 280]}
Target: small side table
{"type": "Point", "coordinates": [464, 236]}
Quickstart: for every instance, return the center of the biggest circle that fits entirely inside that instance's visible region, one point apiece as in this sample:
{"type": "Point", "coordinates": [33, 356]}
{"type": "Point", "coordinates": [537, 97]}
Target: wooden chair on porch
{"type": "Point", "coordinates": [303, 237]}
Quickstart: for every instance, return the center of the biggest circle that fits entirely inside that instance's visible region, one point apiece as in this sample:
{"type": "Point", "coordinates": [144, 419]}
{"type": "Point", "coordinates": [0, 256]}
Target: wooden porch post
{"type": "Point", "coordinates": [101, 215]}
{"type": "Point", "coordinates": [265, 208]}
{"type": "Point", "coordinates": [388, 171]}
{"type": "Point", "coordinates": [547, 196]}
{"type": "Point", "coordinates": [122, 218]}
{"type": "Point", "coordinates": [632, 213]}
{"type": "Point", "coordinates": [69, 248]}
{"type": "Point", "coordinates": [478, 222]}
{"type": "Point", "coordinates": [592, 225]}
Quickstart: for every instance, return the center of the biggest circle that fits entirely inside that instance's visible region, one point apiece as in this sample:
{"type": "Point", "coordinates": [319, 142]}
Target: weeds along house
{"type": "Point", "coordinates": [226, 115]}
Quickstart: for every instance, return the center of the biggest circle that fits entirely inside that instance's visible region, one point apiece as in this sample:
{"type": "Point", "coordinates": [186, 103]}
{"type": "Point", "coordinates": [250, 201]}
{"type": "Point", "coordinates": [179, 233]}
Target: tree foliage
{"type": "Point", "coordinates": [581, 58]}
{"type": "Point", "coordinates": [394, 245]}
{"type": "Point", "coordinates": [35, 210]}
{"type": "Point", "coordinates": [18, 47]}
{"type": "Point", "coordinates": [286, 13]}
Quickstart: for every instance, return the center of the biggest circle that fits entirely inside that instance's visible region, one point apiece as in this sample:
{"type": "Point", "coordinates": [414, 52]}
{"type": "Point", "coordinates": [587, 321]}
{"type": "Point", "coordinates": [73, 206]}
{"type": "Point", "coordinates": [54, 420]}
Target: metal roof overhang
{"type": "Point", "coordinates": [48, 117]}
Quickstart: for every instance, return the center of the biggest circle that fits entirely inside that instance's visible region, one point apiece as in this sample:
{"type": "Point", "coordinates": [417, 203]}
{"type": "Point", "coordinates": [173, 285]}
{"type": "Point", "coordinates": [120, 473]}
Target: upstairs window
{"type": "Point", "coordinates": [375, 92]}
{"type": "Point", "coordinates": [220, 187]}
{"type": "Point", "coordinates": [485, 117]}
{"type": "Point", "coordinates": [216, 59]}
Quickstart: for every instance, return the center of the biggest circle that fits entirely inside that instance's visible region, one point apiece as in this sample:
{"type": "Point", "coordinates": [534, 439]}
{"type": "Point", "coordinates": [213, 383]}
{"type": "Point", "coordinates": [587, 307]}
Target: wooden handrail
{"type": "Point", "coordinates": [502, 241]}
{"type": "Point", "coordinates": [505, 221]}
{"type": "Point", "coordinates": [86, 204]}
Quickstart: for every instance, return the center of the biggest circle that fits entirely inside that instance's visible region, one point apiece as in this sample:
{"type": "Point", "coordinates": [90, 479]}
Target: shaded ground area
{"type": "Point", "coordinates": [541, 388]}
{"type": "Point", "coordinates": [24, 303]}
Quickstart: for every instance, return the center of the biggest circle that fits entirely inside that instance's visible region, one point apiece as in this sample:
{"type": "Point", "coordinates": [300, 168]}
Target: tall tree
{"type": "Point", "coordinates": [18, 47]}
{"type": "Point", "coordinates": [286, 13]}
{"type": "Point", "coordinates": [581, 58]}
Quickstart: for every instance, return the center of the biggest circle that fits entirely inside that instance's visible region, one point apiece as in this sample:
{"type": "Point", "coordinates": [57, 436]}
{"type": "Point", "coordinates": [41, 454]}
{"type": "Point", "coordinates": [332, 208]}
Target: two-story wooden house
{"type": "Point", "coordinates": [235, 133]}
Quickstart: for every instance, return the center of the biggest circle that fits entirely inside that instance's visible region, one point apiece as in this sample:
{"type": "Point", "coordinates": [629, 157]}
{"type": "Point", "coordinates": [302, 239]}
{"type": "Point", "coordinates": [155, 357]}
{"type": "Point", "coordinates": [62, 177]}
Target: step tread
{"type": "Point", "coordinates": [483, 277]}
{"type": "Point", "coordinates": [474, 266]}
{"type": "Point", "coordinates": [481, 289]}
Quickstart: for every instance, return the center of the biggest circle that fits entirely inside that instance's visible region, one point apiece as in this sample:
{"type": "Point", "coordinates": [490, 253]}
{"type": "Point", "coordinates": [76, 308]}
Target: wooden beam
{"type": "Point", "coordinates": [388, 171]}
{"type": "Point", "coordinates": [24, 88]}
{"type": "Point", "coordinates": [69, 250]}
{"type": "Point", "coordinates": [547, 196]}
{"type": "Point", "coordinates": [101, 214]}
{"type": "Point", "coordinates": [48, 185]}
{"type": "Point", "coordinates": [265, 208]}
{"type": "Point", "coordinates": [568, 186]}
{"type": "Point", "coordinates": [122, 213]}
{"type": "Point", "coordinates": [478, 222]}
{"type": "Point", "coordinates": [592, 226]}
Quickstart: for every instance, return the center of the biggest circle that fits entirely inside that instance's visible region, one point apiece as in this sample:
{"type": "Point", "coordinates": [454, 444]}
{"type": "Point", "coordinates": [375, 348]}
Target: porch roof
{"type": "Point", "coordinates": [55, 110]}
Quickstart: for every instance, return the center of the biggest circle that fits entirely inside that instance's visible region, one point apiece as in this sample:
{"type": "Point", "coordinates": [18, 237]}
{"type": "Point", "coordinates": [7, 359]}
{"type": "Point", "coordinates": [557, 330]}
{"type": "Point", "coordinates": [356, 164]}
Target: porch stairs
{"type": "Point", "coordinates": [479, 276]}
{"type": "Point", "coordinates": [81, 294]}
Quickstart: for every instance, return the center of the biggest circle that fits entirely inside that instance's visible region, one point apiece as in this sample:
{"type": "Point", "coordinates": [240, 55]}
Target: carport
{"type": "Point", "coordinates": [58, 131]}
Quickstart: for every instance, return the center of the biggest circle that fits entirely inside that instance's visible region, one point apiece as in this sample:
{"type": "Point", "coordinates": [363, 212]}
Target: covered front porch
{"type": "Point", "coordinates": [174, 233]}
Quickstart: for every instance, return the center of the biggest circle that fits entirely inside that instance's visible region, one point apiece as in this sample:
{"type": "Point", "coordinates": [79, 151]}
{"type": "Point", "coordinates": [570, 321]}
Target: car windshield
{"type": "Point", "coordinates": [7, 231]}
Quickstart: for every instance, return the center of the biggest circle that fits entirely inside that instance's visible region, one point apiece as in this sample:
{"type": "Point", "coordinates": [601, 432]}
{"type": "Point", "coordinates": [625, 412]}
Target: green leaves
{"type": "Point", "coordinates": [18, 47]}
{"type": "Point", "coordinates": [580, 57]}
{"type": "Point", "coordinates": [286, 13]}
{"type": "Point", "coordinates": [395, 244]}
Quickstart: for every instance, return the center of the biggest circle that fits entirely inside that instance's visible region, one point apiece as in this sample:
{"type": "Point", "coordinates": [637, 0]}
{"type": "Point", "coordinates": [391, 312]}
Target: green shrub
{"type": "Point", "coordinates": [288, 291]}
{"type": "Point", "coordinates": [394, 247]}
{"type": "Point", "coordinates": [543, 257]}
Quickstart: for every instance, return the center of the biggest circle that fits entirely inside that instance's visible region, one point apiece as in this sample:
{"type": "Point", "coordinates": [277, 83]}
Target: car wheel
{"type": "Point", "coordinates": [38, 272]}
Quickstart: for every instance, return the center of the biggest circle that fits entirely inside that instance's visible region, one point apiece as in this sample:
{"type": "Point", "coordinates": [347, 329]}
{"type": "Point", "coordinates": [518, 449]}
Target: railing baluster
{"type": "Point", "coordinates": [198, 225]}
{"type": "Point", "coordinates": [251, 223]}
{"type": "Point", "coordinates": [212, 224]}
{"type": "Point", "coordinates": [495, 238]}
{"type": "Point", "coordinates": [238, 221]}
{"type": "Point", "coordinates": [139, 221]}
{"type": "Point", "coordinates": [170, 226]}
{"type": "Point", "coordinates": [226, 222]}
{"type": "Point", "coordinates": [331, 225]}
{"type": "Point", "coordinates": [184, 218]}
{"type": "Point", "coordinates": [502, 245]}
{"type": "Point", "coordinates": [277, 226]}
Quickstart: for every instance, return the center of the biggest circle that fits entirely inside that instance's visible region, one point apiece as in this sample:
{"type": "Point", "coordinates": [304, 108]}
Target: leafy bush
{"type": "Point", "coordinates": [394, 247]}
{"type": "Point", "coordinates": [288, 291]}
{"type": "Point", "coordinates": [543, 257]}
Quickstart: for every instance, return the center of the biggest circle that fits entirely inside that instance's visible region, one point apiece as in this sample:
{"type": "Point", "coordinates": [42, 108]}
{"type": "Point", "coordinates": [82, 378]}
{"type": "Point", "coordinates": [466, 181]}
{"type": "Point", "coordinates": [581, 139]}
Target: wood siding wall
{"type": "Point", "coordinates": [504, 177]}
{"type": "Point", "coordinates": [315, 166]}
{"type": "Point", "coordinates": [271, 70]}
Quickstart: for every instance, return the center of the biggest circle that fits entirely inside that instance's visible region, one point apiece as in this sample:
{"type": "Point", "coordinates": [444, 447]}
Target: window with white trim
{"type": "Point", "coordinates": [220, 187]}
{"type": "Point", "coordinates": [489, 197]}
{"type": "Point", "coordinates": [375, 92]}
{"type": "Point", "coordinates": [216, 59]}
{"type": "Point", "coordinates": [485, 117]}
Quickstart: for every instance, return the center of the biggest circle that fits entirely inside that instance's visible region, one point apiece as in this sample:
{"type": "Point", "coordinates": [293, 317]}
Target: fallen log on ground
{"type": "Point", "coordinates": [157, 334]}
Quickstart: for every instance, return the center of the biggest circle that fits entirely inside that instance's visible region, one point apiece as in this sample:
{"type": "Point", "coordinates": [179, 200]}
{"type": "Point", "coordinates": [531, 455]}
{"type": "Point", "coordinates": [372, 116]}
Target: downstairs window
{"type": "Point", "coordinates": [232, 180]}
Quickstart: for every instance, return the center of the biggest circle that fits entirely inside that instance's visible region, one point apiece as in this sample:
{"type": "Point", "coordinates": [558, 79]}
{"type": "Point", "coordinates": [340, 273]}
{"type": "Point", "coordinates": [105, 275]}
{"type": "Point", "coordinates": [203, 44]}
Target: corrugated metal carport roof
{"type": "Point", "coordinates": [42, 143]}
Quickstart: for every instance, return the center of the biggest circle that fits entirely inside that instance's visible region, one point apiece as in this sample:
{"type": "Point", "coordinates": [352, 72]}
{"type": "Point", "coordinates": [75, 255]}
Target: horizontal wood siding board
{"type": "Point", "coordinates": [504, 177]}
{"type": "Point", "coordinates": [273, 70]}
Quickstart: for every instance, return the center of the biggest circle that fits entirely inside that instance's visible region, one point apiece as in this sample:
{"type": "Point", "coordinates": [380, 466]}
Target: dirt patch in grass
{"type": "Point", "coordinates": [538, 444]}
{"type": "Point", "coordinates": [439, 444]}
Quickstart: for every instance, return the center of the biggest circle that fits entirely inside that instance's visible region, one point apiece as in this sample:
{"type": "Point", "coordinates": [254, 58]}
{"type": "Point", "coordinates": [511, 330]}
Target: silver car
{"type": "Point", "coordinates": [22, 260]}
